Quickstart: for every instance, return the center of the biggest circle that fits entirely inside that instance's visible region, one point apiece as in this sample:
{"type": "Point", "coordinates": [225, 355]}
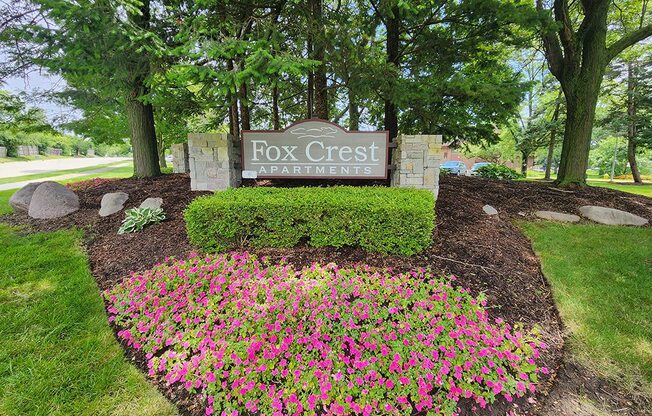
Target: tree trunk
{"type": "Point", "coordinates": [354, 112]}
{"type": "Point", "coordinates": [318, 45]}
{"type": "Point", "coordinates": [392, 46]}
{"type": "Point", "coordinates": [160, 146]}
{"type": "Point", "coordinates": [140, 117]}
{"type": "Point", "coordinates": [244, 108]}
{"type": "Point", "coordinates": [631, 127]}
{"type": "Point", "coordinates": [631, 157]}
{"type": "Point", "coordinates": [614, 160]}
{"type": "Point", "coordinates": [276, 122]}
{"type": "Point", "coordinates": [321, 91]}
{"type": "Point", "coordinates": [553, 137]}
{"type": "Point", "coordinates": [234, 120]}
{"type": "Point", "coordinates": [524, 158]}
{"type": "Point", "coordinates": [551, 153]}
{"type": "Point", "coordinates": [310, 93]}
{"type": "Point", "coordinates": [581, 100]}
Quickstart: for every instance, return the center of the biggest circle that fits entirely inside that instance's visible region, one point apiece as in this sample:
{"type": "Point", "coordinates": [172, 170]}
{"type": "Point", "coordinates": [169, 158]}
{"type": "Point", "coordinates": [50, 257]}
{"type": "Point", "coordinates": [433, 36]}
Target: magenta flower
{"type": "Point", "coordinates": [254, 337]}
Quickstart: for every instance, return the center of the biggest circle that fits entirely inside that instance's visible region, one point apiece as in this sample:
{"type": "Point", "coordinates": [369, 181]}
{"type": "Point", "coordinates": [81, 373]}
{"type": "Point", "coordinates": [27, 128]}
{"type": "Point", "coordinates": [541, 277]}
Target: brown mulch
{"type": "Point", "coordinates": [487, 254]}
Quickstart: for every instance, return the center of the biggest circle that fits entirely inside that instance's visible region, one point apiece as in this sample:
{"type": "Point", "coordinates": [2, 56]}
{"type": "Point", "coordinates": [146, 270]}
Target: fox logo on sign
{"type": "Point", "coordinates": [314, 149]}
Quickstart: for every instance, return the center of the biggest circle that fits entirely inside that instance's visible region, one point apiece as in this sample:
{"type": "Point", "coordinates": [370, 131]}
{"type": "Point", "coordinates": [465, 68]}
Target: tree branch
{"type": "Point", "coordinates": [566, 33]}
{"type": "Point", "coordinates": [628, 40]}
{"type": "Point", "coordinates": [552, 48]}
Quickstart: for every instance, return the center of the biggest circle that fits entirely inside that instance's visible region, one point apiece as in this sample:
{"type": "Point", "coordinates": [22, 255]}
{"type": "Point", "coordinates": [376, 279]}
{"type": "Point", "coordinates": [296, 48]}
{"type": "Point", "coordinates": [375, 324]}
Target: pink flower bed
{"type": "Point", "coordinates": [257, 338]}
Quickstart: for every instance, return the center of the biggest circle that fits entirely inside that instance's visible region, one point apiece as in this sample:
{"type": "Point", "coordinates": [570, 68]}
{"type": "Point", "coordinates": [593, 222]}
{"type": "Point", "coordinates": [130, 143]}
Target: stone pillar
{"type": "Point", "coordinates": [214, 161]}
{"type": "Point", "coordinates": [416, 161]}
{"type": "Point", "coordinates": [3, 151]}
{"type": "Point", "coordinates": [180, 162]}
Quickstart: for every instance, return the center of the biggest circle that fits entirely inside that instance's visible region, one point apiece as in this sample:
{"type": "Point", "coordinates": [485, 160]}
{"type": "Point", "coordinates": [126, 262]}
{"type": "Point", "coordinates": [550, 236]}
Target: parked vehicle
{"type": "Point", "coordinates": [476, 166]}
{"type": "Point", "coordinates": [454, 167]}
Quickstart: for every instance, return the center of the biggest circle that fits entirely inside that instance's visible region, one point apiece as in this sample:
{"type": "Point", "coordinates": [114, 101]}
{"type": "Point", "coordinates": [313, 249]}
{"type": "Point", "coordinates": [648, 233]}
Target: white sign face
{"type": "Point", "coordinates": [315, 149]}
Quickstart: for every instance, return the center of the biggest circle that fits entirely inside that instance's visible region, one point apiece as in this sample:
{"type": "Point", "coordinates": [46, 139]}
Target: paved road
{"type": "Point", "coordinates": [16, 185]}
{"type": "Point", "coordinates": [11, 169]}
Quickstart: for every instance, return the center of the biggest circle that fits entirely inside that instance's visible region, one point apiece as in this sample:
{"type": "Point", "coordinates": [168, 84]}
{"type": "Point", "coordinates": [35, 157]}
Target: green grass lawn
{"type": "Point", "coordinates": [117, 173]}
{"type": "Point", "coordinates": [4, 201]}
{"type": "Point", "coordinates": [645, 190]}
{"type": "Point", "coordinates": [602, 282]}
{"type": "Point", "coordinates": [26, 158]}
{"type": "Point", "coordinates": [595, 180]}
{"type": "Point", "coordinates": [57, 173]}
{"type": "Point", "coordinates": [58, 355]}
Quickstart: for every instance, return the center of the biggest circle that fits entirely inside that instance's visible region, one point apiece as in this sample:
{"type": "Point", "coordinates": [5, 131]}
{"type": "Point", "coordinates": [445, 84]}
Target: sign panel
{"type": "Point", "coordinates": [315, 149]}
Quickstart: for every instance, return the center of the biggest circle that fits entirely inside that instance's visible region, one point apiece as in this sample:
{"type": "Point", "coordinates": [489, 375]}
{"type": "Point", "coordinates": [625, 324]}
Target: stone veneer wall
{"type": "Point", "coordinates": [3, 151]}
{"type": "Point", "coordinates": [54, 151]}
{"type": "Point", "coordinates": [24, 150]}
{"type": "Point", "coordinates": [180, 162]}
{"type": "Point", "coordinates": [416, 161]}
{"type": "Point", "coordinates": [214, 161]}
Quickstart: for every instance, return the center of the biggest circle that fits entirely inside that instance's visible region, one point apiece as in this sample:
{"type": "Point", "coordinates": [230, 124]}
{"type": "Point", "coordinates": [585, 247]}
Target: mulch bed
{"type": "Point", "coordinates": [487, 254]}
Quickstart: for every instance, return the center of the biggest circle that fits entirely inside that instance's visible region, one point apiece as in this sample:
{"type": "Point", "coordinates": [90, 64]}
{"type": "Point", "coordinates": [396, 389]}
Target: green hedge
{"type": "Point", "coordinates": [68, 144]}
{"type": "Point", "coordinates": [386, 220]}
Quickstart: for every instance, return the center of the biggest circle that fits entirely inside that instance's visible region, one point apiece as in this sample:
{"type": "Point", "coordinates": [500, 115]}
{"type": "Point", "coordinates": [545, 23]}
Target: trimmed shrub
{"type": "Point", "coordinates": [386, 220]}
{"type": "Point", "coordinates": [256, 338]}
{"type": "Point", "coordinates": [496, 171]}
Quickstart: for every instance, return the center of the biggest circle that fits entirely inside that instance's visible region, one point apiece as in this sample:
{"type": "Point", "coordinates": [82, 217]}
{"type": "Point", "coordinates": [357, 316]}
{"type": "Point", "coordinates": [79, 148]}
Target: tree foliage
{"type": "Point", "coordinates": [433, 66]}
{"type": "Point", "coordinates": [580, 40]}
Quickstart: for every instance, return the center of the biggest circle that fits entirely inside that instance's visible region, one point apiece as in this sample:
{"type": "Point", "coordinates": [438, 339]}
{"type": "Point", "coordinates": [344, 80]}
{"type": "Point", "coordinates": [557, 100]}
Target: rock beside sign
{"type": "Point", "coordinates": [611, 216]}
{"type": "Point", "coordinates": [112, 202]}
{"type": "Point", "coordinates": [52, 200]}
{"type": "Point", "coordinates": [556, 216]}
{"type": "Point", "coordinates": [489, 210]}
{"type": "Point", "coordinates": [152, 203]}
{"type": "Point", "coordinates": [20, 200]}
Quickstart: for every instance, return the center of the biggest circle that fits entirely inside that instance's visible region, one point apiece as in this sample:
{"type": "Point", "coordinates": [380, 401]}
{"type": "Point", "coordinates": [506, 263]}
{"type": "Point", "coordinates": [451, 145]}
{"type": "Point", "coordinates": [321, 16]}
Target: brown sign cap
{"type": "Point", "coordinates": [314, 149]}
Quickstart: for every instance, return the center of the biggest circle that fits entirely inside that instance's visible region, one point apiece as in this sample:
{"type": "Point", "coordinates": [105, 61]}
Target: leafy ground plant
{"type": "Point", "coordinates": [261, 338]}
{"type": "Point", "coordinates": [496, 171]}
{"type": "Point", "coordinates": [138, 218]}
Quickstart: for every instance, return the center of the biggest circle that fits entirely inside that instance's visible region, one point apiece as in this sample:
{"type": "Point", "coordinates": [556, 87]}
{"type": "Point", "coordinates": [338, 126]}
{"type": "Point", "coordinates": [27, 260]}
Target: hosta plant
{"type": "Point", "coordinates": [138, 218]}
{"type": "Point", "coordinates": [252, 337]}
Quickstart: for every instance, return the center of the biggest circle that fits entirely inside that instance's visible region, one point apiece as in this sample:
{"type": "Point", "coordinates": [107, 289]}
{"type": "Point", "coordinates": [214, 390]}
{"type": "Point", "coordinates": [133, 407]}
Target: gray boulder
{"type": "Point", "coordinates": [557, 216]}
{"type": "Point", "coordinates": [152, 203]}
{"type": "Point", "coordinates": [20, 199]}
{"type": "Point", "coordinates": [611, 216]}
{"type": "Point", "coordinates": [489, 210]}
{"type": "Point", "coordinates": [52, 200]}
{"type": "Point", "coordinates": [112, 202]}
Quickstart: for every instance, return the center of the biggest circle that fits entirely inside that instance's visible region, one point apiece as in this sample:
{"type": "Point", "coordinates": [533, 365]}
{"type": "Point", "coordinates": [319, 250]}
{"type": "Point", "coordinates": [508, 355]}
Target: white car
{"type": "Point", "coordinates": [454, 167]}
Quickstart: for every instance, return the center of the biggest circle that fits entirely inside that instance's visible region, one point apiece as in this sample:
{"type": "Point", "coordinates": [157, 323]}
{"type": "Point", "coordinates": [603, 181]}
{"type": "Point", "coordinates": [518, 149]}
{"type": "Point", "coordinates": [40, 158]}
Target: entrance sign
{"type": "Point", "coordinates": [314, 149]}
